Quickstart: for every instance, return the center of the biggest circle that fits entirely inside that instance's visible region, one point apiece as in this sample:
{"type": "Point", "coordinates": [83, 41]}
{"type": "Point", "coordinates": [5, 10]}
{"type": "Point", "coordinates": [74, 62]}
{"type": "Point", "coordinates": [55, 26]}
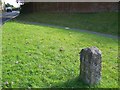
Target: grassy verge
{"type": "Point", "coordinates": [32, 57]}
{"type": "Point", "coordinates": [99, 22]}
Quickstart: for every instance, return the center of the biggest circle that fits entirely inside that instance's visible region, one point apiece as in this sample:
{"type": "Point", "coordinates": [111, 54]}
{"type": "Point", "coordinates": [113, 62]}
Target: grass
{"type": "Point", "coordinates": [105, 22]}
{"type": "Point", "coordinates": [32, 57]}
{"type": "Point", "coordinates": [0, 56]}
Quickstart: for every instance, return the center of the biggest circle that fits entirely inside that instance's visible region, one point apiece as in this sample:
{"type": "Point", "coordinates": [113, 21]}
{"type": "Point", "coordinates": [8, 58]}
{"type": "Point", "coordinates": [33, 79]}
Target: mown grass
{"type": "Point", "coordinates": [40, 57]}
{"type": "Point", "coordinates": [104, 22]}
{"type": "Point", "coordinates": [0, 57]}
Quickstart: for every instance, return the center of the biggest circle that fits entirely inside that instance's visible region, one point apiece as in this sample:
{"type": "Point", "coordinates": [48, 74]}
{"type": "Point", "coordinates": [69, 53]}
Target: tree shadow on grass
{"type": "Point", "coordinates": [72, 83]}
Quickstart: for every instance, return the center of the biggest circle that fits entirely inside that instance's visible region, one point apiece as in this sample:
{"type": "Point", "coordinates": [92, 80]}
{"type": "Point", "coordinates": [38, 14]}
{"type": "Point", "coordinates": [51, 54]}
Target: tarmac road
{"type": "Point", "coordinates": [6, 16]}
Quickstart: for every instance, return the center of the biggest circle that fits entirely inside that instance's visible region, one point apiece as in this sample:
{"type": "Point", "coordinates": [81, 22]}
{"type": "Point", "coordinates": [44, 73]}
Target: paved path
{"type": "Point", "coordinates": [86, 31]}
{"type": "Point", "coordinates": [6, 16]}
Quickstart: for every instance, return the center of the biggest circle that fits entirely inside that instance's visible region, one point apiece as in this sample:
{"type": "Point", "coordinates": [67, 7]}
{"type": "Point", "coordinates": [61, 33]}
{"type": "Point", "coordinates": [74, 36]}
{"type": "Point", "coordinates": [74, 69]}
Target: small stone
{"type": "Point", "coordinates": [61, 49]}
{"type": "Point", "coordinates": [16, 62]}
{"type": "Point", "coordinates": [67, 28]}
{"type": "Point", "coordinates": [6, 83]}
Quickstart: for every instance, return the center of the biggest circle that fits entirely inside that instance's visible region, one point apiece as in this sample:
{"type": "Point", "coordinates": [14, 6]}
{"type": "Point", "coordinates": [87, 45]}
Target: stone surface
{"type": "Point", "coordinates": [90, 65]}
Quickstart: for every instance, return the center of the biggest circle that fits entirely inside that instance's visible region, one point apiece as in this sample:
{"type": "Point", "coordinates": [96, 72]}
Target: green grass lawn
{"type": "Point", "coordinates": [32, 57]}
{"type": "Point", "coordinates": [98, 22]}
{"type": "Point", "coordinates": [0, 57]}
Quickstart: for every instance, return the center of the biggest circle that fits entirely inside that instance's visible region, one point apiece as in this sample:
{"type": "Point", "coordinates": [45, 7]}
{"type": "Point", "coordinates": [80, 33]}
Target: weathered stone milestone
{"type": "Point", "coordinates": [90, 65]}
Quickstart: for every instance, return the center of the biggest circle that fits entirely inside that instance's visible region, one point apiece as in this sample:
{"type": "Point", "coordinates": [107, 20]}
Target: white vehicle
{"type": "Point", "coordinates": [8, 9]}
